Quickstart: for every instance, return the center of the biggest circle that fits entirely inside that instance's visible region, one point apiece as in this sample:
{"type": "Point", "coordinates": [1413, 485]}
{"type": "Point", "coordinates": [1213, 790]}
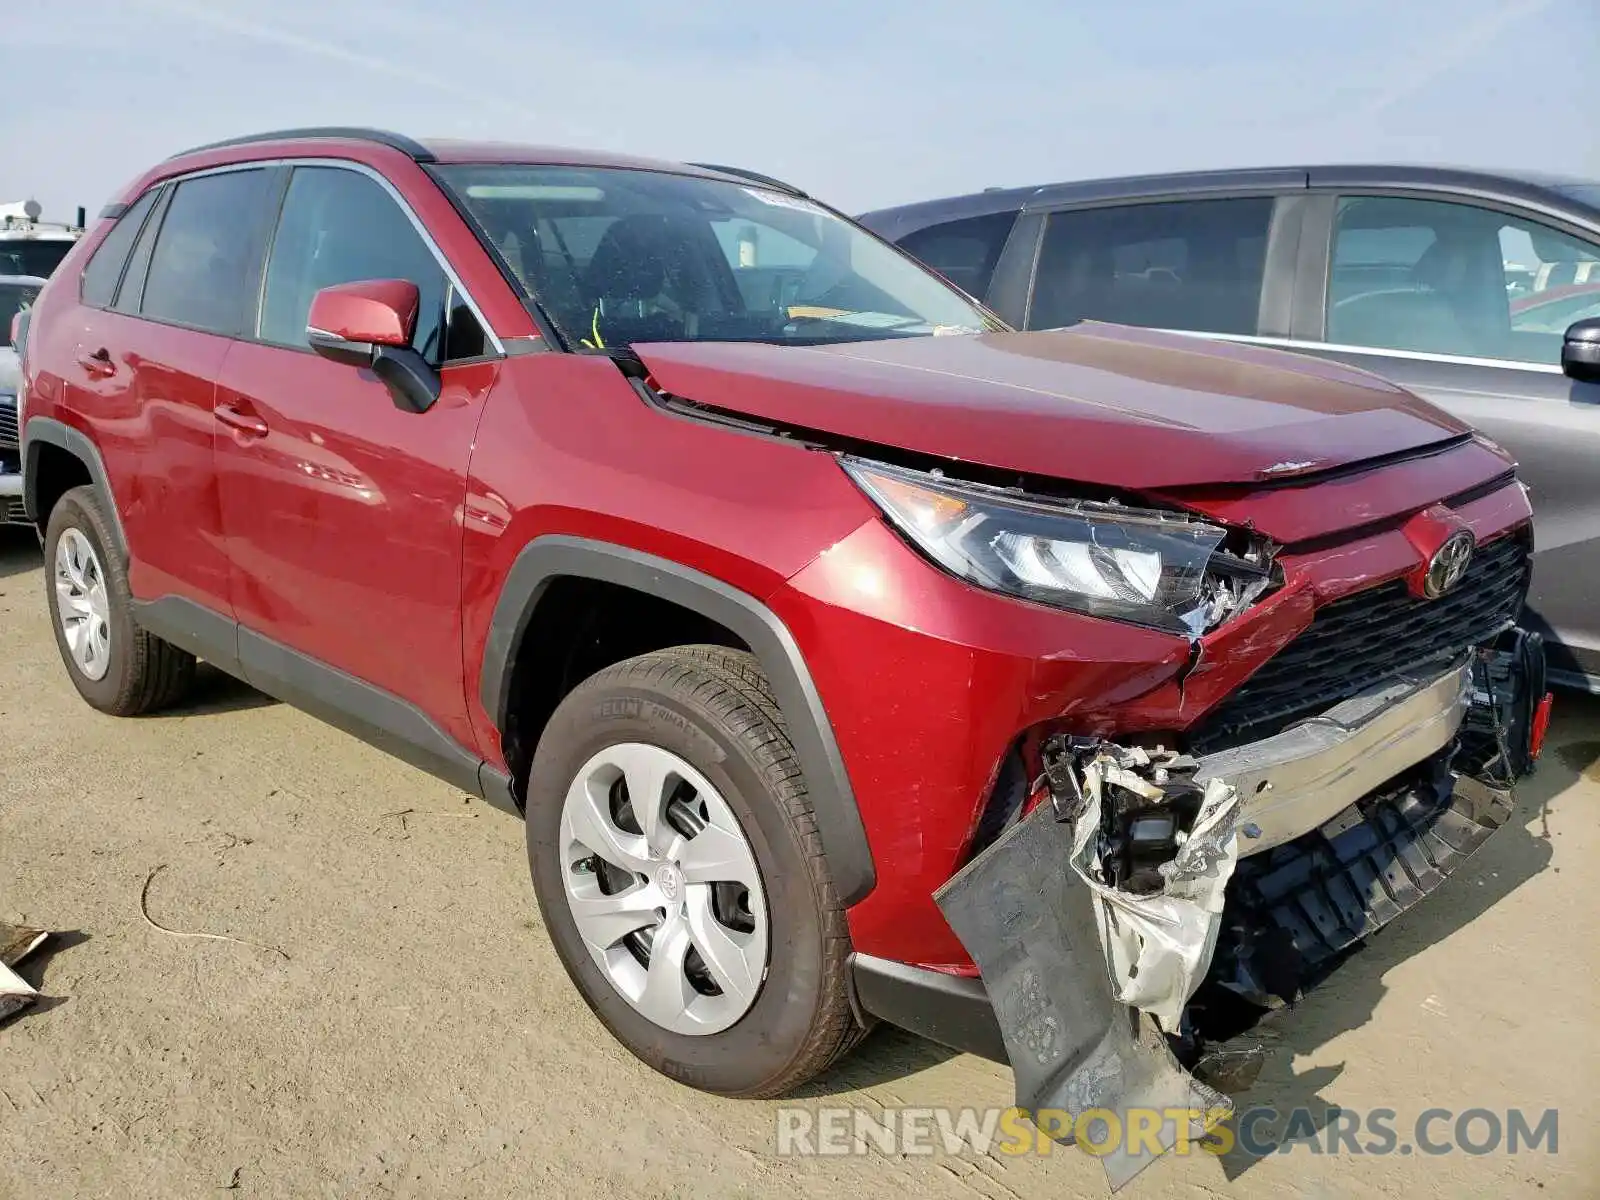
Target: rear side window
{"type": "Point", "coordinates": [206, 252]}
{"type": "Point", "coordinates": [340, 226]}
{"type": "Point", "coordinates": [131, 293]}
{"type": "Point", "coordinates": [1193, 265]}
{"type": "Point", "coordinates": [964, 252]}
{"type": "Point", "coordinates": [105, 267]}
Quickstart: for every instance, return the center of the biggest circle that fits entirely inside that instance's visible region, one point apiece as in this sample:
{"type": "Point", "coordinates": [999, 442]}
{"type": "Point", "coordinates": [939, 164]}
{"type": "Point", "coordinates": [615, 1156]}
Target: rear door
{"type": "Point", "coordinates": [1466, 304]}
{"type": "Point", "coordinates": [159, 321]}
{"type": "Point", "coordinates": [341, 511]}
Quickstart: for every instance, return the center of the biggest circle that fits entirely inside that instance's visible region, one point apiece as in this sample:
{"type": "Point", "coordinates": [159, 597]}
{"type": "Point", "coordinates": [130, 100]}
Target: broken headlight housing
{"type": "Point", "coordinates": [1159, 569]}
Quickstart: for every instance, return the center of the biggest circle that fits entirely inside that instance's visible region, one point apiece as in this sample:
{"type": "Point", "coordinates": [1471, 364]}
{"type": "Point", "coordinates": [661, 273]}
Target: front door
{"type": "Point", "coordinates": [341, 510]}
{"type": "Point", "coordinates": [1466, 306]}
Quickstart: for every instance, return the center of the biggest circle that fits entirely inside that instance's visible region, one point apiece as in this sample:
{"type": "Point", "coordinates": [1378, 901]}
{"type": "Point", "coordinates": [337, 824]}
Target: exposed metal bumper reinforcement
{"type": "Point", "coordinates": [1299, 779]}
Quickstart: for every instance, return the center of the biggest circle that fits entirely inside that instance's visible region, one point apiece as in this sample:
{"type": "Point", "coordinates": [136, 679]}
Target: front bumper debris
{"type": "Point", "coordinates": [1074, 1049]}
{"type": "Point", "coordinates": [1102, 959]}
{"type": "Point", "coordinates": [1158, 872]}
{"type": "Point", "coordinates": [1297, 780]}
{"type": "Point", "coordinates": [1294, 912]}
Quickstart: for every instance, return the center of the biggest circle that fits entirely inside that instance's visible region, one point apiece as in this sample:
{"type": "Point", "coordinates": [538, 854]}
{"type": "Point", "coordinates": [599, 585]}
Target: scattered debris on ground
{"type": "Point", "coordinates": [16, 943]}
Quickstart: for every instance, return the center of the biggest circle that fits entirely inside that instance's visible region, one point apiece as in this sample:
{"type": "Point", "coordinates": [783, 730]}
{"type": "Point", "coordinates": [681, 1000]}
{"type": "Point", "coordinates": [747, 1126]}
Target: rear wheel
{"type": "Point", "coordinates": [678, 869]}
{"type": "Point", "coordinates": [116, 666]}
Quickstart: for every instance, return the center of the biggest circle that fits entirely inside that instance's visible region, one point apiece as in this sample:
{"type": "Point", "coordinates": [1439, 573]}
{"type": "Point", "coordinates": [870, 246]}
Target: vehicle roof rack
{"type": "Point", "coordinates": [753, 176]}
{"type": "Point", "coordinates": [410, 147]}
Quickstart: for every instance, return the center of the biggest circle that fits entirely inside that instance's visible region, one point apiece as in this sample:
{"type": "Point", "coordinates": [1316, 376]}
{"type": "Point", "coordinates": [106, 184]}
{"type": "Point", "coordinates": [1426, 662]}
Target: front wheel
{"type": "Point", "coordinates": [677, 866]}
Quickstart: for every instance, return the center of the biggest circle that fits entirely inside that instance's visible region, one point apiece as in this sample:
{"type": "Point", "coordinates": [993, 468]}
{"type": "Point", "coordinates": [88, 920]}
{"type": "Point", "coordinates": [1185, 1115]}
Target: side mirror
{"type": "Point", "coordinates": [1580, 350]}
{"type": "Point", "coordinates": [370, 324]}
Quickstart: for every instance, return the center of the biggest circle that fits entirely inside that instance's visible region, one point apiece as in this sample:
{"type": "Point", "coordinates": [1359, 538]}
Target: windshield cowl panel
{"type": "Point", "coordinates": [615, 256]}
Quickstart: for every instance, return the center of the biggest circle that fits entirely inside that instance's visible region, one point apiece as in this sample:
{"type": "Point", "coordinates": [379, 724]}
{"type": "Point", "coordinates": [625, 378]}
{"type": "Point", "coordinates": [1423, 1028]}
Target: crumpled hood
{"type": "Point", "coordinates": [1099, 404]}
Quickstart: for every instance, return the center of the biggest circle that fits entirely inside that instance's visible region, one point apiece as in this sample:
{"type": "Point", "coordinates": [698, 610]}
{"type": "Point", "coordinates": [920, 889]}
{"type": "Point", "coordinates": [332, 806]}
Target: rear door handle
{"type": "Point", "coordinates": [98, 363]}
{"type": "Point", "coordinates": [244, 422]}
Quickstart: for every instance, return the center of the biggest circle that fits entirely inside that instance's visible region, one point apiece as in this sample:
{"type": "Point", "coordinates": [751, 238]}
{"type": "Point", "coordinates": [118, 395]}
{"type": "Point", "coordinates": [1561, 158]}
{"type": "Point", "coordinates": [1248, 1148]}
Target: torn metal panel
{"type": "Point", "coordinates": [1033, 931]}
{"type": "Point", "coordinates": [15, 992]}
{"type": "Point", "coordinates": [16, 943]}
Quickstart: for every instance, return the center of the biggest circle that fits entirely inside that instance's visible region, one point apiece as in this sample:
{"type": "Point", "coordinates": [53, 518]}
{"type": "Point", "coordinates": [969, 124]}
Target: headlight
{"type": "Point", "coordinates": [1159, 569]}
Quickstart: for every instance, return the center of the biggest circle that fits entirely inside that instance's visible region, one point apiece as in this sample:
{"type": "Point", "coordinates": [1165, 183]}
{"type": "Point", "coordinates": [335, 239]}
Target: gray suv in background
{"type": "Point", "coordinates": [1480, 292]}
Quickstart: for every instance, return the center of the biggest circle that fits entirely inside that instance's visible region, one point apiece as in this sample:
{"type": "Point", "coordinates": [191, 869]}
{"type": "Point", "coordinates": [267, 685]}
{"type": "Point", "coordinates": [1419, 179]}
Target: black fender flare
{"type": "Point", "coordinates": [553, 556]}
{"type": "Point", "coordinates": [40, 431]}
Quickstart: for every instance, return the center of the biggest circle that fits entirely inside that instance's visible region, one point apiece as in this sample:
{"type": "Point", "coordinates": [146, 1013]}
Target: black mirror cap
{"type": "Point", "coordinates": [413, 384]}
{"type": "Point", "coordinates": [1580, 350]}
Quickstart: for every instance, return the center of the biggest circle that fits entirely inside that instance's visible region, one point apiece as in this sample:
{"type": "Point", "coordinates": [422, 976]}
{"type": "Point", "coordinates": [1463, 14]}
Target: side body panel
{"type": "Point", "coordinates": [343, 515]}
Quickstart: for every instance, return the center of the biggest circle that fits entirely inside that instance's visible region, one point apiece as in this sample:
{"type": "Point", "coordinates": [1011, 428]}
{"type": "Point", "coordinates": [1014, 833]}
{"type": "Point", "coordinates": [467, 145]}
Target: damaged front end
{"type": "Point", "coordinates": [1151, 892]}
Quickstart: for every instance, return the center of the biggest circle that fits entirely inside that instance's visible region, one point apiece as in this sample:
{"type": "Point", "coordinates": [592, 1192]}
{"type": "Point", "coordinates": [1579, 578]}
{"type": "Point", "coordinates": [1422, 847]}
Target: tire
{"type": "Point", "coordinates": [132, 671]}
{"type": "Point", "coordinates": [711, 709]}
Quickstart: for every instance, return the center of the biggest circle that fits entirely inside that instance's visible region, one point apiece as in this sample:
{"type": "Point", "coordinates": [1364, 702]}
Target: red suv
{"type": "Point", "coordinates": [845, 651]}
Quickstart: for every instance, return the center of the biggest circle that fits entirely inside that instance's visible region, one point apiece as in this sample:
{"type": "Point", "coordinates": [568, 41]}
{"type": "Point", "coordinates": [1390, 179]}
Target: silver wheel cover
{"type": "Point", "coordinates": [650, 915]}
{"type": "Point", "coordinates": [82, 605]}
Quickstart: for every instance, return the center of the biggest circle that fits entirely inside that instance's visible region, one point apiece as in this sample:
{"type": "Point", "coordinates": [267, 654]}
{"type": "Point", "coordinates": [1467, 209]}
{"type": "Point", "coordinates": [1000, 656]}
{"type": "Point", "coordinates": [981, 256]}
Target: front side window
{"type": "Point", "coordinates": [618, 256]}
{"type": "Point", "coordinates": [105, 265]}
{"type": "Point", "coordinates": [1437, 277]}
{"type": "Point", "coordinates": [1192, 265]}
{"type": "Point", "coordinates": [340, 226]}
{"type": "Point", "coordinates": [14, 298]}
{"type": "Point", "coordinates": [964, 252]}
{"type": "Point", "coordinates": [206, 251]}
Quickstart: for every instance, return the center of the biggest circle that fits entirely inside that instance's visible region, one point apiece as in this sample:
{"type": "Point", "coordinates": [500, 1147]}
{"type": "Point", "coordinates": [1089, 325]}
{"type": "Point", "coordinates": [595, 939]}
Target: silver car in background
{"type": "Point", "coordinates": [17, 293]}
{"type": "Point", "coordinates": [1480, 292]}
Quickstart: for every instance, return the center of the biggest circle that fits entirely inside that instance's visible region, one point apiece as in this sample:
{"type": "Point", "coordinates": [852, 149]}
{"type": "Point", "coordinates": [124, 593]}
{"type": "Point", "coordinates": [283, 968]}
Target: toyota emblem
{"type": "Point", "coordinates": [1448, 564]}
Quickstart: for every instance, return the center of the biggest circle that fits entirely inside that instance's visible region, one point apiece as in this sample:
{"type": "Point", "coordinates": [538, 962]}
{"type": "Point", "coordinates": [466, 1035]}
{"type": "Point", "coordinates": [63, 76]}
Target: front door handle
{"type": "Point", "coordinates": [98, 363]}
{"type": "Point", "coordinates": [244, 422]}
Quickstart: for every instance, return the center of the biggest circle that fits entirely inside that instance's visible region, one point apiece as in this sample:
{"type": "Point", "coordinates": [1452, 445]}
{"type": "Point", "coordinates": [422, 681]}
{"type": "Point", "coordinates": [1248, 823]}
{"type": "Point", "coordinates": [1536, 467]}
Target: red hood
{"type": "Point", "coordinates": [1101, 404]}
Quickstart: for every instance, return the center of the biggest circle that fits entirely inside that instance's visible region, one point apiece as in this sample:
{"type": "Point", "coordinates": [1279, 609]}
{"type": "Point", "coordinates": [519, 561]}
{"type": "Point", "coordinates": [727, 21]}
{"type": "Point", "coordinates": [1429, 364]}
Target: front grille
{"type": "Point", "coordinates": [1364, 639]}
{"type": "Point", "coordinates": [8, 422]}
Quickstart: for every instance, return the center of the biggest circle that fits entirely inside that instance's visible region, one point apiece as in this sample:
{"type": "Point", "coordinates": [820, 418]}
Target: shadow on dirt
{"type": "Point", "coordinates": [214, 691]}
{"type": "Point", "coordinates": [886, 1054]}
{"type": "Point", "coordinates": [19, 551]}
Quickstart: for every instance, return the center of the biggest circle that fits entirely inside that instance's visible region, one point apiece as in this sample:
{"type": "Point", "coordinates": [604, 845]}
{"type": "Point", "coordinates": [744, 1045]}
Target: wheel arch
{"type": "Point", "coordinates": [553, 557]}
{"type": "Point", "coordinates": [44, 443]}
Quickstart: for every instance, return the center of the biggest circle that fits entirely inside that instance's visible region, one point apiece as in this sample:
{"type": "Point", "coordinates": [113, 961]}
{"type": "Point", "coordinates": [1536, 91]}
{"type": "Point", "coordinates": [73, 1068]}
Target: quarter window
{"type": "Point", "coordinates": [340, 226]}
{"type": "Point", "coordinates": [964, 252]}
{"type": "Point", "coordinates": [1190, 265]}
{"type": "Point", "coordinates": [105, 267]}
{"type": "Point", "coordinates": [1436, 277]}
{"type": "Point", "coordinates": [206, 252]}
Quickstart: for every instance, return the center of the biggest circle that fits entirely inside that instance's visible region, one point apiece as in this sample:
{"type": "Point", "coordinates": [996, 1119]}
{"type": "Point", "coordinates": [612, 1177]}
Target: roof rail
{"type": "Point", "coordinates": [411, 148]}
{"type": "Point", "coordinates": [753, 176]}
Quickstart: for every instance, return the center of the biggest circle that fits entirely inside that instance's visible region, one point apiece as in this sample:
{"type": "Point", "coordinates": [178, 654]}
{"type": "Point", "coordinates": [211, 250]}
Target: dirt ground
{"type": "Point", "coordinates": [416, 1035]}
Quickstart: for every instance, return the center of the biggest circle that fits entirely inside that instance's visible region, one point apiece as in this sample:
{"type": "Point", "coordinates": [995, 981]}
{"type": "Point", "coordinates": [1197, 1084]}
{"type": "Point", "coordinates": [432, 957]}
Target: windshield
{"type": "Point", "coordinates": [30, 256]}
{"type": "Point", "coordinates": [14, 298]}
{"type": "Point", "coordinates": [617, 256]}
